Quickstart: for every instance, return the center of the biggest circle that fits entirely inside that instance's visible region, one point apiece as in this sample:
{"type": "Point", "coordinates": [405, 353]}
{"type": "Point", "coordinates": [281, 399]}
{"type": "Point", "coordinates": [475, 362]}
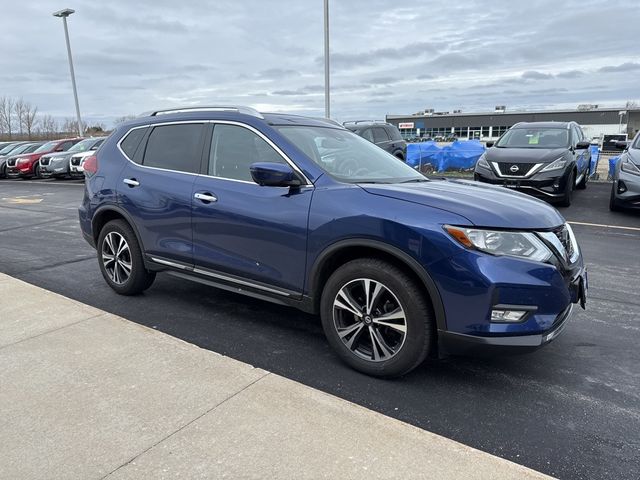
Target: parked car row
{"type": "Point", "coordinates": [625, 190]}
{"type": "Point", "coordinates": [56, 158]}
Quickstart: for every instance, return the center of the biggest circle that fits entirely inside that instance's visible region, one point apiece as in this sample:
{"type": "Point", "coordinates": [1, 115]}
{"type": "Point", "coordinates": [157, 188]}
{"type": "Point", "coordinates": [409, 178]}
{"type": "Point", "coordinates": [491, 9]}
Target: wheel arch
{"type": "Point", "coordinates": [105, 214]}
{"type": "Point", "coordinates": [346, 250]}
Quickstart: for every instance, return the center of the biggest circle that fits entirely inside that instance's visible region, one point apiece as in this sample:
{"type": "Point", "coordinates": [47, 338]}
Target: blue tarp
{"type": "Point", "coordinates": [595, 156]}
{"type": "Point", "coordinates": [457, 156]}
{"type": "Point", "coordinates": [612, 165]}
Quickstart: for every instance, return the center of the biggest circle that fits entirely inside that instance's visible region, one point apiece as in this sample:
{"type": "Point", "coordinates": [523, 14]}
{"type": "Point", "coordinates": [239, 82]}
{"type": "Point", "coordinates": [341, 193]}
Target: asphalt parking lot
{"type": "Point", "coordinates": [570, 410]}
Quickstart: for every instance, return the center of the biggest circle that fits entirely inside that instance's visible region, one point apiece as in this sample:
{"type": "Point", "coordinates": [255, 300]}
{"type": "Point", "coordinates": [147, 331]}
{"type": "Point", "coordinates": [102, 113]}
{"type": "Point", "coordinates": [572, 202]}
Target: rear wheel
{"type": "Point", "coordinates": [568, 190]}
{"type": "Point", "coordinates": [120, 259]}
{"type": "Point", "coordinates": [377, 318]}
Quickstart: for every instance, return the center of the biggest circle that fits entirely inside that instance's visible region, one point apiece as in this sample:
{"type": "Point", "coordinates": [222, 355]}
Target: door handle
{"type": "Point", "coordinates": [132, 182]}
{"type": "Point", "coordinates": [206, 197]}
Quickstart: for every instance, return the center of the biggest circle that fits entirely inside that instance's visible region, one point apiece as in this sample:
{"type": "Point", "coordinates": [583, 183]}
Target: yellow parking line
{"type": "Point", "coordinates": [620, 227]}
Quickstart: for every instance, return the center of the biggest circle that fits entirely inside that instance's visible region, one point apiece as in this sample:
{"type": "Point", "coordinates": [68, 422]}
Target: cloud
{"type": "Point", "coordinates": [625, 67]}
{"type": "Point", "coordinates": [535, 75]}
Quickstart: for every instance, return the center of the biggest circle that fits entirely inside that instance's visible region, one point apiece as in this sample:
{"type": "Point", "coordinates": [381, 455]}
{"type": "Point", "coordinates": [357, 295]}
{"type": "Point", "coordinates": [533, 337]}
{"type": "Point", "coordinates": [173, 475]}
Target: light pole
{"type": "Point", "coordinates": [64, 14]}
{"type": "Point", "coordinates": [327, 101]}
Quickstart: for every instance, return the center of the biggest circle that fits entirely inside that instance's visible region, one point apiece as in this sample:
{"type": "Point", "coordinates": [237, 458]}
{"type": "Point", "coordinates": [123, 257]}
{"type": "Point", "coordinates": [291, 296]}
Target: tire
{"type": "Point", "coordinates": [399, 155]}
{"type": "Point", "coordinates": [36, 170]}
{"type": "Point", "coordinates": [612, 199]}
{"type": "Point", "coordinates": [568, 190]}
{"type": "Point", "coordinates": [583, 183]}
{"type": "Point", "coordinates": [398, 353]}
{"type": "Point", "coordinates": [138, 278]}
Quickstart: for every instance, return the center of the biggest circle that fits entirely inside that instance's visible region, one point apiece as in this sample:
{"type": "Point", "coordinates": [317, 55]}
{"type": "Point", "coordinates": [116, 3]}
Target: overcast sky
{"type": "Point", "coordinates": [388, 56]}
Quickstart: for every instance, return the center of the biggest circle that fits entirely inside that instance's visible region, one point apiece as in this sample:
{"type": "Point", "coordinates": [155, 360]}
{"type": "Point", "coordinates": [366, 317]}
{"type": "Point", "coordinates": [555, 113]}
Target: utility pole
{"type": "Point", "coordinates": [327, 99]}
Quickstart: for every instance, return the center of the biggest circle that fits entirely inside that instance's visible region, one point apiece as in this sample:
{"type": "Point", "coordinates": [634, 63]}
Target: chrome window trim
{"type": "Point", "coordinates": [284, 156]}
{"type": "Point", "coordinates": [531, 172]}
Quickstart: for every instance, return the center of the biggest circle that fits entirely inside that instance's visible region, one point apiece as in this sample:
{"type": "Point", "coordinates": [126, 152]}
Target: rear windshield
{"type": "Point", "coordinates": [535, 138]}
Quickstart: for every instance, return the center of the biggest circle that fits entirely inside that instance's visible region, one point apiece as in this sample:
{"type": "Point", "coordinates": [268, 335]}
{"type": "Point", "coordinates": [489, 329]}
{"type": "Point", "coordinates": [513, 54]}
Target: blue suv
{"type": "Point", "coordinates": [303, 212]}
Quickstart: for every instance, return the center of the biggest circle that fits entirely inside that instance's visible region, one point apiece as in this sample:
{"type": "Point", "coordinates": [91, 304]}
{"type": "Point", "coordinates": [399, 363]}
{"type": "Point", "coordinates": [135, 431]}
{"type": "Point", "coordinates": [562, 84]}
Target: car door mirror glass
{"type": "Point", "coordinates": [268, 174]}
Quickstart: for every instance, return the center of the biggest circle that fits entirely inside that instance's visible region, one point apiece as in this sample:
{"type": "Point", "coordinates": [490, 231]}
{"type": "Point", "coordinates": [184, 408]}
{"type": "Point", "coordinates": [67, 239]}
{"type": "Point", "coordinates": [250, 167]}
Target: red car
{"type": "Point", "coordinates": [27, 165]}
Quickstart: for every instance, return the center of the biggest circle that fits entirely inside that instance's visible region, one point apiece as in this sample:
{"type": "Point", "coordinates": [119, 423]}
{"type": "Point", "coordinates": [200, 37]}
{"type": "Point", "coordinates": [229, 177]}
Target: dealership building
{"type": "Point", "coordinates": [595, 121]}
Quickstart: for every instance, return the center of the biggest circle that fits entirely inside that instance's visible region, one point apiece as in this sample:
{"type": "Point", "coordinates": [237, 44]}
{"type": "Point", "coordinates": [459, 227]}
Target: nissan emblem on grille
{"type": "Point", "coordinates": [514, 168]}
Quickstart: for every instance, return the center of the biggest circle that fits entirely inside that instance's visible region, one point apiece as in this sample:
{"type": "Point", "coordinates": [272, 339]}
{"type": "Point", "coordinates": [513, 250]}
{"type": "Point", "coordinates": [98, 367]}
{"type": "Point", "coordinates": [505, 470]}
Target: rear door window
{"type": "Point", "coordinates": [130, 143]}
{"type": "Point", "coordinates": [380, 135]}
{"type": "Point", "coordinates": [368, 134]}
{"type": "Point", "coordinates": [175, 147]}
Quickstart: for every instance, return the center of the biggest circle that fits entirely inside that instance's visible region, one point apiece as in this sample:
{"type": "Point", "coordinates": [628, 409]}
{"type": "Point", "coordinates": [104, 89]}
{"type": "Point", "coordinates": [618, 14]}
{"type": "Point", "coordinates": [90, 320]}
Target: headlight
{"type": "Point", "coordinates": [514, 244]}
{"type": "Point", "coordinates": [22, 160]}
{"type": "Point", "coordinates": [628, 166]}
{"type": "Point", "coordinates": [482, 162]}
{"type": "Point", "coordinates": [558, 164]}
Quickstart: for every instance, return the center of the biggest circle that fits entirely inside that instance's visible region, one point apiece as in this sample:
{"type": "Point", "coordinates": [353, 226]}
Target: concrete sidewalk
{"type": "Point", "coordinates": [85, 394]}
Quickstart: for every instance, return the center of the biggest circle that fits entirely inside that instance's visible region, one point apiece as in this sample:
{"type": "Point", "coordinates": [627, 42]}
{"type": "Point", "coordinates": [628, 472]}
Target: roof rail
{"type": "Point", "coordinates": [329, 120]}
{"type": "Point", "coordinates": [220, 108]}
{"type": "Point", "coordinates": [355, 122]}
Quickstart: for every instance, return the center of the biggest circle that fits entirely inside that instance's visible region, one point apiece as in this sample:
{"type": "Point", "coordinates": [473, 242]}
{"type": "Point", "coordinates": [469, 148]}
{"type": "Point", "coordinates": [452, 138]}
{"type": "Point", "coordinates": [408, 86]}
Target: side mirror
{"type": "Point", "coordinates": [59, 149]}
{"type": "Point", "coordinates": [490, 144]}
{"type": "Point", "coordinates": [268, 174]}
{"type": "Point", "coordinates": [622, 145]}
{"type": "Point", "coordinates": [583, 145]}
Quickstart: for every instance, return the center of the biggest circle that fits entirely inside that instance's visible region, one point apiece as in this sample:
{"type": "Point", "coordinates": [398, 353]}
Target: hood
{"type": "Point", "coordinates": [86, 153]}
{"type": "Point", "coordinates": [524, 155]}
{"type": "Point", "coordinates": [57, 155]}
{"type": "Point", "coordinates": [482, 204]}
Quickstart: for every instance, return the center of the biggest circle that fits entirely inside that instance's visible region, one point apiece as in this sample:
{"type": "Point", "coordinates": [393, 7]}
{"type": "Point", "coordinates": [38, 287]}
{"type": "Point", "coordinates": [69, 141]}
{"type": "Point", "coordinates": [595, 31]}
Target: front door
{"type": "Point", "coordinates": [240, 228]}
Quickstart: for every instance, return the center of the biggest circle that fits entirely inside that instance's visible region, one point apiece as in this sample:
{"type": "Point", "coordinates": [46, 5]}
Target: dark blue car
{"type": "Point", "coordinates": [303, 212]}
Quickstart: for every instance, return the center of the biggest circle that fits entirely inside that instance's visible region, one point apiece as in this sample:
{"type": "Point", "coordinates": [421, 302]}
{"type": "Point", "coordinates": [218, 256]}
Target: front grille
{"type": "Point", "coordinates": [511, 169]}
{"type": "Point", "coordinates": [75, 161]}
{"type": "Point", "coordinates": [44, 160]}
{"type": "Point", "coordinates": [11, 162]}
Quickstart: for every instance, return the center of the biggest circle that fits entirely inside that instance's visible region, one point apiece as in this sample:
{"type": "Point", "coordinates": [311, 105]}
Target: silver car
{"type": "Point", "coordinates": [57, 164]}
{"type": "Point", "coordinates": [15, 149]}
{"type": "Point", "coordinates": [625, 191]}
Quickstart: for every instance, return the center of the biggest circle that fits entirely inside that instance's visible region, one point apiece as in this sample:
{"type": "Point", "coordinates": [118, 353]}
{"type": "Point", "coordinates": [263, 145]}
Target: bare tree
{"type": "Point", "coordinates": [70, 126]}
{"type": "Point", "coordinates": [6, 115]}
{"type": "Point", "coordinates": [48, 126]}
{"type": "Point", "coordinates": [18, 109]}
{"type": "Point", "coordinates": [29, 119]}
{"type": "Point", "coordinates": [631, 104]}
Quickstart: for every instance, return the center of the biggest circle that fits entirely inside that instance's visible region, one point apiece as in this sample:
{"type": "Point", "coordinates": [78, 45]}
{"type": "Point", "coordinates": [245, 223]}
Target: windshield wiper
{"type": "Point", "coordinates": [415, 180]}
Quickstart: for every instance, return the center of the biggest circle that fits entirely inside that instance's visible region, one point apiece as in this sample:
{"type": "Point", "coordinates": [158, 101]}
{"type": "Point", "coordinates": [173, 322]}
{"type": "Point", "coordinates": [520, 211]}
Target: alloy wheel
{"type": "Point", "coordinates": [369, 320]}
{"type": "Point", "coordinates": [116, 258]}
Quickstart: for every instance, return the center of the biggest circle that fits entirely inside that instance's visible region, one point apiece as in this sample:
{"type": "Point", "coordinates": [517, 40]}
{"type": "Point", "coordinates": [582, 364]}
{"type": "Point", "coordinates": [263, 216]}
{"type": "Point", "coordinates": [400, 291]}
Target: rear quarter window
{"type": "Point", "coordinates": [131, 142]}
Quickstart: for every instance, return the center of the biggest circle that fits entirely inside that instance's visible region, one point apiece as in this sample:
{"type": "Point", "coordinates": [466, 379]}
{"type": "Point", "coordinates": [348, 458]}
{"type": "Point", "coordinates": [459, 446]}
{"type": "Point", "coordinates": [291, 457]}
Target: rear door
{"type": "Point", "coordinates": [254, 233]}
{"type": "Point", "coordinates": [381, 138]}
{"type": "Point", "coordinates": [156, 186]}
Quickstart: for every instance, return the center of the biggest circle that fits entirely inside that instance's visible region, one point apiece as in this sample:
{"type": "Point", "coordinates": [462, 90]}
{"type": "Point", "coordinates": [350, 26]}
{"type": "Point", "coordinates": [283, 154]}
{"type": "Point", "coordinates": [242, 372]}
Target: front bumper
{"type": "Point", "coordinates": [627, 189]}
{"type": "Point", "coordinates": [19, 171]}
{"type": "Point", "coordinates": [460, 343]}
{"type": "Point", "coordinates": [54, 168]}
{"type": "Point", "coordinates": [545, 185]}
{"type": "Point", "coordinates": [472, 284]}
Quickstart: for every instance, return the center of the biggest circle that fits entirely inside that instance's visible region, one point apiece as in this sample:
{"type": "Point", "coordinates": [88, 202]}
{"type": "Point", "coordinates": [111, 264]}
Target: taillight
{"type": "Point", "coordinates": [90, 165]}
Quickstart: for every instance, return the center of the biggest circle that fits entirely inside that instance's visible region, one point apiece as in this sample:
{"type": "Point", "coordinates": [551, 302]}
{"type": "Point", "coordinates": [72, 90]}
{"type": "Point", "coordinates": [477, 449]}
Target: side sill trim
{"type": "Point", "coordinates": [219, 276]}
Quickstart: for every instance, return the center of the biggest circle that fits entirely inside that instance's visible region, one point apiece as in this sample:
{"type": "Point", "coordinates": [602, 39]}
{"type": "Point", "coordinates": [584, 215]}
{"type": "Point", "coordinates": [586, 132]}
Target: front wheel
{"type": "Point", "coordinates": [377, 318]}
{"type": "Point", "coordinates": [568, 190]}
{"type": "Point", "coordinates": [36, 170]}
{"type": "Point", "coordinates": [612, 199]}
{"type": "Point", "coordinates": [120, 259]}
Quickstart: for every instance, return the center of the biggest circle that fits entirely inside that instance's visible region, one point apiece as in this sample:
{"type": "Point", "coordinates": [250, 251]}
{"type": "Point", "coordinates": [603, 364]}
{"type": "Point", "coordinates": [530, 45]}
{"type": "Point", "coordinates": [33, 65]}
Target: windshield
{"type": "Point", "coordinates": [535, 138]}
{"type": "Point", "coordinates": [348, 157]}
{"type": "Point", "coordinates": [82, 146]}
{"type": "Point", "coordinates": [8, 148]}
{"type": "Point", "coordinates": [636, 143]}
{"type": "Point", "coordinates": [47, 147]}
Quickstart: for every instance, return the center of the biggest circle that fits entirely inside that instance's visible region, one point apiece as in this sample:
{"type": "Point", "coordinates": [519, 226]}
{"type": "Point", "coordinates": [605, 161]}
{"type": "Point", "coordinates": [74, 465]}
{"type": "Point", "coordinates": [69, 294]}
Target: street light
{"type": "Point", "coordinates": [327, 102]}
{"type": "Point", "coordinates": [64, 14]}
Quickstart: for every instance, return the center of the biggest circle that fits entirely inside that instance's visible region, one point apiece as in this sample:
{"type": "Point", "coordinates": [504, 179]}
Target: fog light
{"type": "Point", "coordinates": [556, 186]}
{"type": "Point", "coordinates": [507, 315]}
{"type": "Point", "coordinates": [622, 187]}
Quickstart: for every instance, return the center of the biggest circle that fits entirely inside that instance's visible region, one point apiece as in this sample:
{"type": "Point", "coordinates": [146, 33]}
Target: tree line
{"type": "Point", "coordinates": [19, 120]}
